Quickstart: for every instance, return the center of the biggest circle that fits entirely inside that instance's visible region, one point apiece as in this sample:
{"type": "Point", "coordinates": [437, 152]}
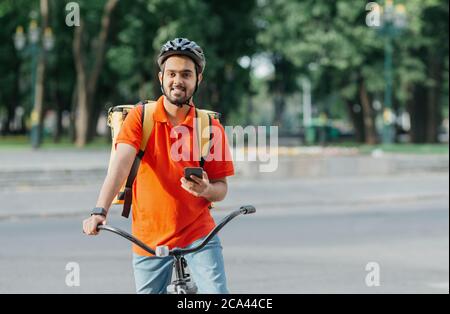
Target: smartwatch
{"type": "Point", "coordinates": [99, 211]}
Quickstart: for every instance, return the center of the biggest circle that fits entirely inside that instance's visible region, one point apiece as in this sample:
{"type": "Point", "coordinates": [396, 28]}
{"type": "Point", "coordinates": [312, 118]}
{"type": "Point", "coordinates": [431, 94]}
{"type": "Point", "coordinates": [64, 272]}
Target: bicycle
{"type": "Point", "coordinates": [182, 283]}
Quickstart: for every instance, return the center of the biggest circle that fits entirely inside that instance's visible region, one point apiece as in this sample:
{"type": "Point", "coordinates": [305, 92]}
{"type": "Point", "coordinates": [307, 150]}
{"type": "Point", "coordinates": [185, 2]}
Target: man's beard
{"type": "Point", "coordinates": [178, 101]}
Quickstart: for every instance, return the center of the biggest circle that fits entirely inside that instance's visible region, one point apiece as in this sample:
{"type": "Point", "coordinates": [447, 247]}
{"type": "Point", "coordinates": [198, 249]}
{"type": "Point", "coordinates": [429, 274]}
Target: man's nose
{"type": "Point", "coordinates": [177, 79]}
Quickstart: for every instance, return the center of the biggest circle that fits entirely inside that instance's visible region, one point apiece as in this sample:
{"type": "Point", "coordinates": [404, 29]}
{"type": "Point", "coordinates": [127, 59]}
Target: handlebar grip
{"type": "Point", "coordinates": [249, 209]}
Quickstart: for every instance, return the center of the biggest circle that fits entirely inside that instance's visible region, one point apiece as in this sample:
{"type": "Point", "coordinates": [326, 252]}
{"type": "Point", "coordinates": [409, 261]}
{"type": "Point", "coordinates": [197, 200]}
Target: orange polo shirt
{"type": "Point", "coordinates": [163, 213]}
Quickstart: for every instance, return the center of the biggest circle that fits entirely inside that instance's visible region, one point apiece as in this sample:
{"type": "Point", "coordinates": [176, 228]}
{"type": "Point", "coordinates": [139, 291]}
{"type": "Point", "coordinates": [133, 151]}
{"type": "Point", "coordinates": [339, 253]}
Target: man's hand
{"type": "Point", "coordinates": [90, 224]}
{"type": "Point", "coordinates": [197, 187]}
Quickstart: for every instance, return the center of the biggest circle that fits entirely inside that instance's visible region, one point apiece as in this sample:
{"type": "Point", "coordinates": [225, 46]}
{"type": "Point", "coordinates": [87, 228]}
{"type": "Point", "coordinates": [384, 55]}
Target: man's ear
{"type": "Point", "coordinates": [160, 77]}
{"type": "Point", "coordinates": [200, 78]}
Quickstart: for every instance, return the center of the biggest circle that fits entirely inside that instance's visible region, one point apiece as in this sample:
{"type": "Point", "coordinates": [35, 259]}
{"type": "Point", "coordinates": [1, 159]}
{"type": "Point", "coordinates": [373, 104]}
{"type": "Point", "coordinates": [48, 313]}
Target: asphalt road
{"type": "Point", "coordinates": [320, 249]}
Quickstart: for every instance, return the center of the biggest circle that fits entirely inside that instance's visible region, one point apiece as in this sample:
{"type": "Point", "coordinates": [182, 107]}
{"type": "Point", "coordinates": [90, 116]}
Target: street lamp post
{"type": "Point", "coordinates": [392, 22]}
{"type": "Point", "coordinates": [33, 50]}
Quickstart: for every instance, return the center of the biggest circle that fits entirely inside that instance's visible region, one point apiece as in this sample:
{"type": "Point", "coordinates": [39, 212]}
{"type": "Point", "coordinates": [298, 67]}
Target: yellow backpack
{"type": "Point", "coordinates": [116, 117]}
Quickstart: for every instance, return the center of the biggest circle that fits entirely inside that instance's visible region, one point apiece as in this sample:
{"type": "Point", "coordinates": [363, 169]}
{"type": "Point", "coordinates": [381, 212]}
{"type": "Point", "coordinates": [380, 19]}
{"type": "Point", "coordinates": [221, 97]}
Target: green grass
{"type": "Point", "coordinates": [23, 142]}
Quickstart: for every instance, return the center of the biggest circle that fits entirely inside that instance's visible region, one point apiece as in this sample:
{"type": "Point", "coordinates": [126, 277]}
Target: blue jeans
{"type": "Point", "coordinates": [153, 274]}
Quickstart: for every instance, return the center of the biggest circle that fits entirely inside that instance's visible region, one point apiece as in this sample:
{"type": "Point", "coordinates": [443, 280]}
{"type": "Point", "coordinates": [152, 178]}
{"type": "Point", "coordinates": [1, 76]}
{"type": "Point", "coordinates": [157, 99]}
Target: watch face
{"type": "Point", "coordinates": [98, 211]}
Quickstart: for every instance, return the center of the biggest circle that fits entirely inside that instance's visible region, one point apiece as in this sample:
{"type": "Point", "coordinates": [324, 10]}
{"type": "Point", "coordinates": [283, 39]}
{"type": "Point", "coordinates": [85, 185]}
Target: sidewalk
{"type": "Point", "coordinates": [40, 167]}
{"type": "Point", "coordinates": [61, 183]}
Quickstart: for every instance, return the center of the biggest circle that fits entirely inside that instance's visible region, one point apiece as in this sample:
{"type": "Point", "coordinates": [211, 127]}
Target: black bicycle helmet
{"type": "Point", "coordinates": [183, 46]}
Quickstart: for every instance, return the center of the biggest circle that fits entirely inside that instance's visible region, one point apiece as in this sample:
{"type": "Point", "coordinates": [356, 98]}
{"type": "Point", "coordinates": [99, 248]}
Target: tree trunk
{"type": "Point", "coordinates": [10, 112]}
{"type": "Point", "coordinates": [87, 83]}
{"type": "Point", "coordinates": [81, 110]}
{"type": "Point", "coordinates": [418, 113]}
{"type": "Point", "coordinates": [94, 115]}
{"type": "Point", "coordinates": [279, 105]}
{"type": "Point", "coordinates": [73, 109]}
{"type": "Point", "coordinates": [57, 100]}
{"type": "Point", "coordinates": [100, 50]}
{"type": "Point", "coordinates": [40, 73]}
{"type": "Point", "coordinates": [368, 114]}
{"type": "Point", "coordinates": [357, 121]}
{"type": "Point", "coordinates": [11, 106]}
{"type": "Point", "coordinates": [58, 127]}
{"type": "Point", "coordinates": [433, 97]}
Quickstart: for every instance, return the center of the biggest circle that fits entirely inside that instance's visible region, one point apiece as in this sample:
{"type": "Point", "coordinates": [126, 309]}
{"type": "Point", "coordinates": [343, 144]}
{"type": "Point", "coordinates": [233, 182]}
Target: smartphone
{"type": "Point", "coordinates": [193, 171]}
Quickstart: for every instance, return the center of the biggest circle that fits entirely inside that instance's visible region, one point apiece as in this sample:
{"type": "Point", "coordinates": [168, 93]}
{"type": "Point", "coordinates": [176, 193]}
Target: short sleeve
{"type": "Point", "coordinates": [131, 131]}
{"type": "Point", "coordinates": [219, 163]}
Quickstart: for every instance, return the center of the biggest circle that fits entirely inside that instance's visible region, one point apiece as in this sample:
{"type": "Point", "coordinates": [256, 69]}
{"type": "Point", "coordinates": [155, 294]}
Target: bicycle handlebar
{"type": "Point", "coordinates": [249, 209]}
{"type": "Point", "coordinates": [127, 236]}
{"type": "Point", "coordinates": [244, 210]}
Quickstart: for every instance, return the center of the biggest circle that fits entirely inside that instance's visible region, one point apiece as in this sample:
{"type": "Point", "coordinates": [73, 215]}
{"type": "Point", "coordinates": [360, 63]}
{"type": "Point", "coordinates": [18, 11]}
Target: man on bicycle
{"type": "Point", "coordinates": [167, 208]}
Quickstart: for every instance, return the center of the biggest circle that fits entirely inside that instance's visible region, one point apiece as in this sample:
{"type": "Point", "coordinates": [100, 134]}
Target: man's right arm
{"type": "Point", "coordinates": [117, 174]}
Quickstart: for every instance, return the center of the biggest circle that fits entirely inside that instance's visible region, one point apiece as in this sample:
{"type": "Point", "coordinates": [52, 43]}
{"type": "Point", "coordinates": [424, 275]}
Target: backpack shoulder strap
{"type": "Point", "coordinates": [147, 123]}
{"type": "Point", "coordinates": [147, 127]}
{"type": "Point", "coordinates": [203, 138]}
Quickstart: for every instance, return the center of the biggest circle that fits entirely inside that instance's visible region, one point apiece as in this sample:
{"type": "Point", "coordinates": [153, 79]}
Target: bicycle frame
{"type": "Point", "coordinates": [182, 283]}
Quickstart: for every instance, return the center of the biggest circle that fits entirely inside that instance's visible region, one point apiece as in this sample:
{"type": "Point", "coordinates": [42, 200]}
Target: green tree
{"type": "Point", "coordinates": [15, 80]}
{"type": "Point", "coordinates": [226, 31]}
{"type": "Point", "coordinates": [329, 42]}
{"type": "Point", "coordinates": [89, 62]}
{"type": "Point", "coordinates": [423, 55]}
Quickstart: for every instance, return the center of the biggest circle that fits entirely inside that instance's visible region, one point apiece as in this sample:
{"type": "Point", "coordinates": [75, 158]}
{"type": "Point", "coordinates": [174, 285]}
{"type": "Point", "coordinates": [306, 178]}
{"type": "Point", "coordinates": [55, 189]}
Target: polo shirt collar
{"type": "Point", "coordinates": [160, 114]}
